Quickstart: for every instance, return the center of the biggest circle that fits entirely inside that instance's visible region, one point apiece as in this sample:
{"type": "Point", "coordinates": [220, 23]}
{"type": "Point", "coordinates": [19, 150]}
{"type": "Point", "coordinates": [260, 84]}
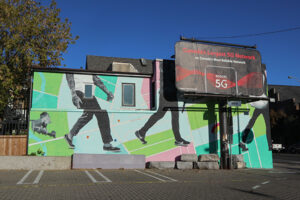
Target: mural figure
{"type": "Point", "coordinates": [261, 107]}
{"type": "Point", "coordinates": [167, 88]}
{"type": "Point", "coordinates": [40, 125]}
{"type": "Point", "coordinates": [83, 98]}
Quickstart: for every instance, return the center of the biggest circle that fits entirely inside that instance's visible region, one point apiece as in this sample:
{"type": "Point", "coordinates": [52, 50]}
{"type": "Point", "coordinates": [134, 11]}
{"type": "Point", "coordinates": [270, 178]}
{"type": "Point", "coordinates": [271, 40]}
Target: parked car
{"type": "Point", "coordinates": [277, 147]}
{"type": "Point", "coordinates": [294, 148]}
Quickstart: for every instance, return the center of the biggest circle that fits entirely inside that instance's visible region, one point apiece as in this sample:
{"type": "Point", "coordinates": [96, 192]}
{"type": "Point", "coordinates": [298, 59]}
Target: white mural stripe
{"type": "Point", "coordinates": [104, 80]}
{"type": "Point", "coordinates": [257, 152]}
{"type": "Point", "coordinates": [59, 138]}
{"type": "Point", "coordinates": [248, 158]}
{"type": "Point", "coordinates": [45, 141]}
{"type": "Point", "coordinates": [162, 152]}
{"type": "Point", "coordinates": [45, 93]}
{"type": "Point", "coordinates": [151, 145]}
{"type": "Point", "coordinates": [129, 121]}
{"type": "Point", "coordinates": [112, 103]}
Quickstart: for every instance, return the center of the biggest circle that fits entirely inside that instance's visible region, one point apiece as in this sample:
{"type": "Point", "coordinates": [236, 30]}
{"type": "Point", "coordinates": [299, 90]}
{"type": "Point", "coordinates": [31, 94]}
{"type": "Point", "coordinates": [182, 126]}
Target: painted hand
{"type": "Point", "coordinates": [110, 96]}
{"type": "Point", "coordinates": [76, 101]}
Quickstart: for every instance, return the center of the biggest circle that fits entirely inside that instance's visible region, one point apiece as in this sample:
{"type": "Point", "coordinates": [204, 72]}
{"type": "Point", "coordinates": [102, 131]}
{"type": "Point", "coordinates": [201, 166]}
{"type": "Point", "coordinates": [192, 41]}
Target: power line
{"type": "Point", "coordinates": [254, 34]}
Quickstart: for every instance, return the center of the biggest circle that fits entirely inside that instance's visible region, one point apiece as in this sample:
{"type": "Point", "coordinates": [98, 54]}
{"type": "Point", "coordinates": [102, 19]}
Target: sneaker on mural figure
{"type": "Point", "coordinates": [243, 146]}
{"type": "Point", "coordinates": [109, 147]}
{"type": "Point", "coordinates": [183, 143]}
{"type": "Point", "coordinates": [106, 147]}
{"type": "Point", "coordinates": [69, 141]}
{"type": "Point", "coordinates": [141, 138]}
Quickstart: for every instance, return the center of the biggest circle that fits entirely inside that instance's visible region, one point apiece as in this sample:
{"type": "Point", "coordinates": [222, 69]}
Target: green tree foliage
{"type": "Point", "coordinates": [30, 34]}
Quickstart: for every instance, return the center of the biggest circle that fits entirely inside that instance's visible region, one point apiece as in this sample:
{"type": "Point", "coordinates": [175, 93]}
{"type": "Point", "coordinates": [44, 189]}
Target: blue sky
{"type": "Point", "coordinates": [150, 29]}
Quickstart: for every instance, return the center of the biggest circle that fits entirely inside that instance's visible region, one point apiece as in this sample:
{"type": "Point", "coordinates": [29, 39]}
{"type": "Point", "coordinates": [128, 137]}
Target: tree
{"type": "Point", "coordinates": [30, 34]}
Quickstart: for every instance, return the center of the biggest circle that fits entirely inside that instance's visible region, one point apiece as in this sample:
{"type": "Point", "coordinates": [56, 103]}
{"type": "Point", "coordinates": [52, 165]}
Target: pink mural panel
{"type": "Point", "coordinates": [170, 155]}
{"type": "Point", "coordinates": [146, 91]}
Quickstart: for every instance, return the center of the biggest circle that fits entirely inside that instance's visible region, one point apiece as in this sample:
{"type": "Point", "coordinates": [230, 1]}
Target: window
{"type": "Point", "coordinates": [88, 91]}
{"type": "Point", "coordinates": [128, 94]}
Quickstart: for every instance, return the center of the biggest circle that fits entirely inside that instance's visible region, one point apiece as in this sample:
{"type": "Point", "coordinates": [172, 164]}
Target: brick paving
{"type": "Point", "coordinates": [282, 182]}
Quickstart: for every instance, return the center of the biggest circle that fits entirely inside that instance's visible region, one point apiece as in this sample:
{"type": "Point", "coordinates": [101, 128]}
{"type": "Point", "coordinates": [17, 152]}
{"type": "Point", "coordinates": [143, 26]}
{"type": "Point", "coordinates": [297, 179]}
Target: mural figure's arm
{"type": "Point", "coordinates": [99, 83]}
{"type": "Point", "coordinates": [71, 83]}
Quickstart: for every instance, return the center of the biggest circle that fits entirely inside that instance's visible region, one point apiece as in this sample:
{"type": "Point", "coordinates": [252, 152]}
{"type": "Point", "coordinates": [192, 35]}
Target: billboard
{"type": "Point", "coordinates": [221, 70]}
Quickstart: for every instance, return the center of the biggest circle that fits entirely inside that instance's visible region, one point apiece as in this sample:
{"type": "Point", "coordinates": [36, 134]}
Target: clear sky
{"type": "Point", "coordinates": [150, 29]}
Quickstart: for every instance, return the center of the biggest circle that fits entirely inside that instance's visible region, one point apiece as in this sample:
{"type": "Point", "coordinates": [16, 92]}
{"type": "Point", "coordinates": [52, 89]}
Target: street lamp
{"type": "Point", "coordinates": [291, 77]}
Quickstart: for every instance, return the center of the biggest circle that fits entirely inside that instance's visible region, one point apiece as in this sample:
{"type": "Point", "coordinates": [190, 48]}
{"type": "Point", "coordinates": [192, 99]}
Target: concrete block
{"type": "Point", "coordinates": [237, 158]}
{"type": "Point", "coordinates": [189, 157]}
{"type": "Point", "coordinates": [208, 165]}
{"type": "Point", "coordinates": [184, 165]}
{"type": "Point", "coordinates": [161, 165]}
{"type": "Point", "coordinates": [239, 165]}
{"type": "Point", "coordinates": [209, 158]}
{"type": "Point", "coordinates": [108, 161]}
{"type": "Point", "coordinates": [35, 162]}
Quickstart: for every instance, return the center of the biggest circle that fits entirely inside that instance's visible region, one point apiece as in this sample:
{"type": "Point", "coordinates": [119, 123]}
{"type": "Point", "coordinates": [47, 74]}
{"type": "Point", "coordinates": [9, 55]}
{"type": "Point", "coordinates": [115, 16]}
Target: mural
{"type": "Point", "coordinates": [165, 105]}
{"type": "Point", "coordinates": [40, 125]}
{"type": "Point", "coordinates": [88, 103]}
{"type": "Point", "coordinates": [261, 108]}
{"type": "Point", "coordinates": [78, 113]}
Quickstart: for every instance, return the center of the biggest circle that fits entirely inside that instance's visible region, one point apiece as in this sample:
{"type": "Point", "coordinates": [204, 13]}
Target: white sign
{"type": "Point", "coordinates": [234, 103]}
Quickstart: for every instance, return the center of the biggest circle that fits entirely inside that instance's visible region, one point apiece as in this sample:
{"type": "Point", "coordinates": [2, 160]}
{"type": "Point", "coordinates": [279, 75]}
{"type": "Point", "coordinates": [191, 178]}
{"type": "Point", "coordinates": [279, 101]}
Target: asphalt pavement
{"type": "Point", "coordinates": [282, 182]}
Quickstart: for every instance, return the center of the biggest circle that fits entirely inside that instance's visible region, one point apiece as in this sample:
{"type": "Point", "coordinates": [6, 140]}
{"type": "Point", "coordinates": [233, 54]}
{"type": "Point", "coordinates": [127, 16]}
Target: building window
{"type": "Point", "coordinates": [128, 94]}
{"type": "Point", "coordinates": [88, 91]}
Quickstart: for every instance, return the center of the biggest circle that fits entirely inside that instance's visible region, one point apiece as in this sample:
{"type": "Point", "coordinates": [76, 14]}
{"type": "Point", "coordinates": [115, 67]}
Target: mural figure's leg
{"type": "Point", "coordinates": [175, 127]}
{"type": "Point", "coordinates": [104, 127]}
{"type": "Point", "coordinates": [151, 121]}
{"type": "Point", "coordinates": [248, 128]}
{"type": "Point", "coordinates": [81, 122]}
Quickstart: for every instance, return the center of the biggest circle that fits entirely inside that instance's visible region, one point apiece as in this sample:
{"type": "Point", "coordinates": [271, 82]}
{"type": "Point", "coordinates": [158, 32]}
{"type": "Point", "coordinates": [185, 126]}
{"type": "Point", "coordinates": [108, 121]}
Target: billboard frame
{"type": "Point", "coordinates": [203, 97]}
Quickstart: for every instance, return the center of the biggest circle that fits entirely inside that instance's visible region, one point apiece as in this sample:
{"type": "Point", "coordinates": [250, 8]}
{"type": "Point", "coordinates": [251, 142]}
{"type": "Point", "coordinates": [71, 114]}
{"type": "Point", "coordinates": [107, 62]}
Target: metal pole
{"type": "Point", "coordinates": [230, 134]}
{"type": "Point", "coordinates": [223, 135]}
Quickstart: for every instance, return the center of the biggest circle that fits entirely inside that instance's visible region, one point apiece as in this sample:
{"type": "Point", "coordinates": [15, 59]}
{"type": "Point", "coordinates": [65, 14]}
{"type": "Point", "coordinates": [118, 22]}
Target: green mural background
{"type": "Point", "coordinates": [198, 124]}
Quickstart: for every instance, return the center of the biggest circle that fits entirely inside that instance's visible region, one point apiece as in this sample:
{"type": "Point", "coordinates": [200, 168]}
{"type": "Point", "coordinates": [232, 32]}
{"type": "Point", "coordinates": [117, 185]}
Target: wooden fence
{"type": "Point", "coordinates": [13, 145]}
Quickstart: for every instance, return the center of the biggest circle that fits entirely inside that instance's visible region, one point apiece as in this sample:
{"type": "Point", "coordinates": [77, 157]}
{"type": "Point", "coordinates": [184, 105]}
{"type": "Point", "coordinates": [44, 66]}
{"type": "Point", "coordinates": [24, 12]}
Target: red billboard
{"type": "Point", "coordinates": [222, 70]}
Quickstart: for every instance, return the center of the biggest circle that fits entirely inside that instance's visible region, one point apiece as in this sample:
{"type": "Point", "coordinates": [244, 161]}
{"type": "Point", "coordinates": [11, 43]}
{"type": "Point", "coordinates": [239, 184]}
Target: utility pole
{"type": "Point", "coordinates": [223, 135]}
{"type": "Point", "coordinates": [230, 135]}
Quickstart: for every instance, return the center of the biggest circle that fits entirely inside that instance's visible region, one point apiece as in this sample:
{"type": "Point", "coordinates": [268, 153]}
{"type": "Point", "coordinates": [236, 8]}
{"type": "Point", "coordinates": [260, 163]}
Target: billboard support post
{"type": "Point", "coordinates": [230, 136]}
{"type": "Point", "coordinates": [223, 135]}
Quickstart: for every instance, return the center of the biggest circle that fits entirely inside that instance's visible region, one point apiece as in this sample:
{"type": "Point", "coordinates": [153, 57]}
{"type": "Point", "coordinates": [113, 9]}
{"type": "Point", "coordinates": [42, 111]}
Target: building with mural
{"type": "Point", "coordinates": [139, 106]}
